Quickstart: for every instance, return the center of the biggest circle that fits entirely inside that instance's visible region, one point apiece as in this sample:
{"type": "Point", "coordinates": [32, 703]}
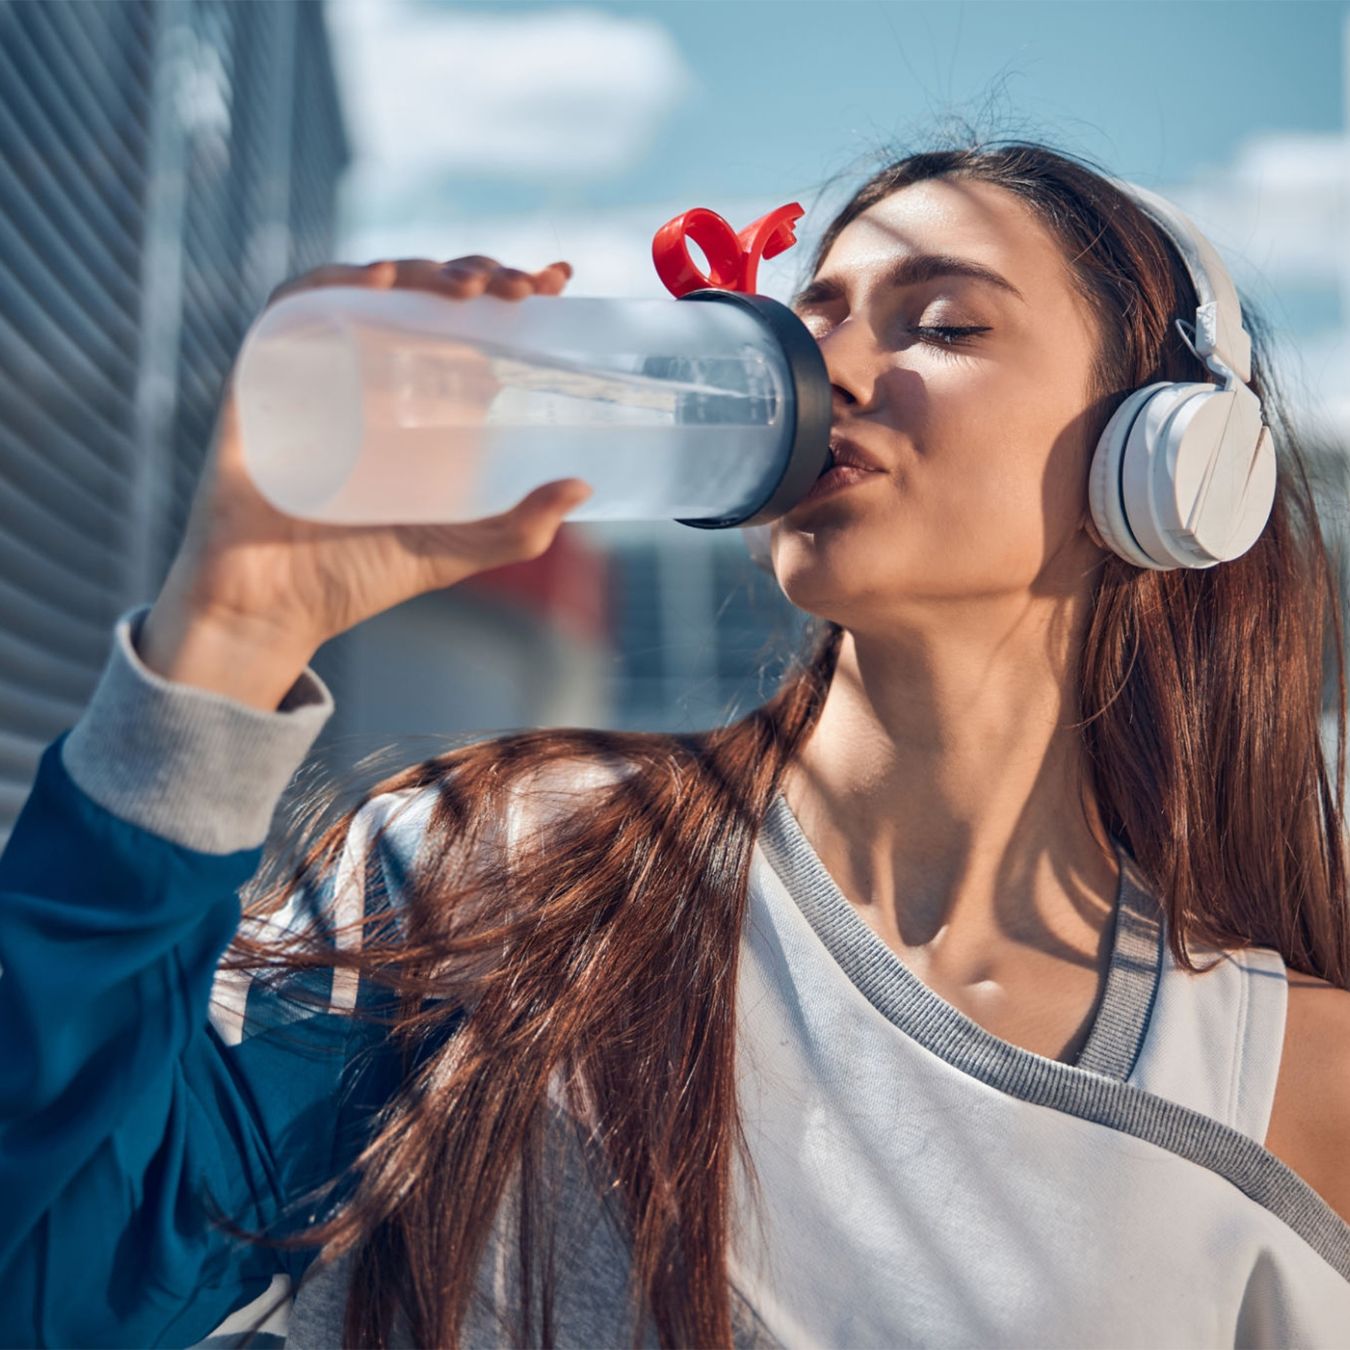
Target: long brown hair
{"type": "Point", "coordinates": [604, 951]}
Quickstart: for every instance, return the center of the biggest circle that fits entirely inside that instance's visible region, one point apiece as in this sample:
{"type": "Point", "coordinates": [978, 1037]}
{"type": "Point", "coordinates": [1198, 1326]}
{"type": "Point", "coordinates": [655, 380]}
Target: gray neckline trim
{"type": "Point", "coordinates": [1117, 1030]}
{"type": "Point", "coordinates": [1094, 1087]}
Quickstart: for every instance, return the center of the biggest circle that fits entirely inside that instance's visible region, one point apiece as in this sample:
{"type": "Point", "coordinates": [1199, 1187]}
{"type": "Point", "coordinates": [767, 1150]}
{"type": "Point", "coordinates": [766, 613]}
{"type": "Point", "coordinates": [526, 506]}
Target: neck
{"type": "Point", "coordinates": [945, 787]}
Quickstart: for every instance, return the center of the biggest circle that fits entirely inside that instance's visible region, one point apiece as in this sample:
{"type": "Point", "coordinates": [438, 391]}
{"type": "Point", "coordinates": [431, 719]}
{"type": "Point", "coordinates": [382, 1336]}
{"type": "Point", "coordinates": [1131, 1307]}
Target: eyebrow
{"type": "Point", "coordinates": [911, 271]}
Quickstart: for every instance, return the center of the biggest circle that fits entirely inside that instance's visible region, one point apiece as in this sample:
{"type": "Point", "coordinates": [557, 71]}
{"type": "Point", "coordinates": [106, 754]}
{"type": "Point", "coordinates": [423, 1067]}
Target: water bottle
{"type": "Point", "coordinates": [366, 406]}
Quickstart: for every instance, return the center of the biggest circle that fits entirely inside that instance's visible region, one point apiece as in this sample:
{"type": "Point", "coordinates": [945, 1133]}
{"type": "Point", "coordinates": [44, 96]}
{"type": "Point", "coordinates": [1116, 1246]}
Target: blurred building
{"type": "Point", "coordinates": [701, 633]}
{"type": "Point", "coordinates": [163, 165]}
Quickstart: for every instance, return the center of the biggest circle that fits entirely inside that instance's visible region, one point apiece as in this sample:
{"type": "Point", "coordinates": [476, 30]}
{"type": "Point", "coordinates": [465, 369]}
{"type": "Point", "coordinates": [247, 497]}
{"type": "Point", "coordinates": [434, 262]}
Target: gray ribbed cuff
{"type": "Point", "coordinates": [190, 765]}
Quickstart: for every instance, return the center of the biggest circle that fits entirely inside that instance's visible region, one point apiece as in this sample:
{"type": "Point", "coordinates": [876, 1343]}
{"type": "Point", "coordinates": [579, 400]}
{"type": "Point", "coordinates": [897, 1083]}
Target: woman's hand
{"type": "Point", "coordinates": [253, 593]}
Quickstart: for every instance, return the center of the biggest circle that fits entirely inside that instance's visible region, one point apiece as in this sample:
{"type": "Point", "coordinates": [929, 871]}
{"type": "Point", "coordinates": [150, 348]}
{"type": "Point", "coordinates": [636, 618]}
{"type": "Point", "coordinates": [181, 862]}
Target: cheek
{"type": "Point", "coordinates": [1001, 488]}
{"type": "Point", "coordinates": [989, 453]}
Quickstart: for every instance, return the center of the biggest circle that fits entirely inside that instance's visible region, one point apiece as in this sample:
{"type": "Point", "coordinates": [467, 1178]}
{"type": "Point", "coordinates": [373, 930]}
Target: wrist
{"type": "Point", "coordinates": [246, 660]}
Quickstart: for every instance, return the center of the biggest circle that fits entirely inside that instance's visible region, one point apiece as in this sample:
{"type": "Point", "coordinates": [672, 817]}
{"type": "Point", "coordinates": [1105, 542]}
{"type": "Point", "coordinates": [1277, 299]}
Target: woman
{"type": "Point", "coordinates": [988, 985]}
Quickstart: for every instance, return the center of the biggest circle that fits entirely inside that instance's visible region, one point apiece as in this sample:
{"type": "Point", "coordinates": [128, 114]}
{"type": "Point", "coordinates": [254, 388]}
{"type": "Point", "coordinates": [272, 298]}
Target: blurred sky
{"type": "Point", "coordinates": [536, 130]}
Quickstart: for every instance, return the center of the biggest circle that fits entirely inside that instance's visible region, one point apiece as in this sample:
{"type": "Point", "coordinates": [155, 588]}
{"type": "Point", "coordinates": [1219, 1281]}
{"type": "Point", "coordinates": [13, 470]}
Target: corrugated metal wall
{"type": "Point", "coordinates": [163, 165]}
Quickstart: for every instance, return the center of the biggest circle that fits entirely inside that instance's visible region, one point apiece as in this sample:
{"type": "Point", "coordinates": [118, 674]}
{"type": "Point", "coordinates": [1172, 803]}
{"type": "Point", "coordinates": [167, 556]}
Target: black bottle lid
{"type": "Point", "coordinates": [810, 409]}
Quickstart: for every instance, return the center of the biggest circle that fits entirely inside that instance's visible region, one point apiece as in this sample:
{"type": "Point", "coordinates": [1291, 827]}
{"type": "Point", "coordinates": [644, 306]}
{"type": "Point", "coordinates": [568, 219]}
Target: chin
{"type": "Point", "coordinates": [829, 579]}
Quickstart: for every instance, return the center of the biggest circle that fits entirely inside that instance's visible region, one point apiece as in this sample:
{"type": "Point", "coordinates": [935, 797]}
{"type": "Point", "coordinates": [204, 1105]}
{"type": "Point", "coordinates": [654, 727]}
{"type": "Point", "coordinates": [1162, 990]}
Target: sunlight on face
{"type": "Point", "coordinates": [981, 433]}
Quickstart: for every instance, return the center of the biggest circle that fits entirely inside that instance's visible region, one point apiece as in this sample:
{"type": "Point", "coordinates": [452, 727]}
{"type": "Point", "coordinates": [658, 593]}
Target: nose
{"type": "Point", "coordinates": [849, 353]}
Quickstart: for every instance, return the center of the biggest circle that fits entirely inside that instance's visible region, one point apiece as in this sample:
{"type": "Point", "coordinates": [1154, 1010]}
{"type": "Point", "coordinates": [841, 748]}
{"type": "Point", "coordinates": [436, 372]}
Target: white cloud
{"type": "Point", "coordinates": [1280, 216]}
{"type": "Point", "coordinates": [1314, 373]}
{"type": "Point", "coordinates": [565, 92]}
{"type": "Point", "coordinates": [1281, 210]}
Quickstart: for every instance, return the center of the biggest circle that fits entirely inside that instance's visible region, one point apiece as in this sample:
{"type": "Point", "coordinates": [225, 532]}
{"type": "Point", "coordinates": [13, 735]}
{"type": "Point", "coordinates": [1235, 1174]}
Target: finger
{"type": "Point", "coordinates": [426, 274]}
{"type": "Point", "coordinates": [551, 279]}
{"type": "Point", "coordinates": [461, 279]}
{"type": "Point", "coordinates": [460, 283]}
{"type": "Point", "coordinates": [543, 510]}
{"type": "Point", "coordinates": [473, 270]}
{"type": "Point", "coordinates": [510, 283]}
{"type": "Point", "coordinates": [529, 527]}
{"type": "Point", "coordinates": [572, 491]}
{"type": "Point", "coordinates": [549, 501]}
{"type": "Point", "coordinates": [382, 273]}
{"type": "Point", "coordinates": [475, 262]}
{"type": "Point", "coordinates": [546, 502]}
{"type": "Point", "coordinates": [464, 282]}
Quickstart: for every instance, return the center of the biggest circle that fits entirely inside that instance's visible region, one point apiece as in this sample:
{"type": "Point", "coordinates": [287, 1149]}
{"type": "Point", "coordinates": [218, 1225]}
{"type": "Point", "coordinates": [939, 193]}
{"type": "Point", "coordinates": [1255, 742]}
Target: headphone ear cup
{"type": "Point", "coordinates": [1212, 488]}
{"type": "Point", "coordinates": [1198, 475]}
{"type": "Point", "coordinates": [1151, 471]}
{"type": "Point", "coordinates": [1105, 494]}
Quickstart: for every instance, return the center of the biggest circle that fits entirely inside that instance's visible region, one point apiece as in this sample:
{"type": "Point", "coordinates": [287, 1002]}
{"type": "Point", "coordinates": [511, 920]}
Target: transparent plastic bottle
{"type": "Point", "coordinates": [372, 406]}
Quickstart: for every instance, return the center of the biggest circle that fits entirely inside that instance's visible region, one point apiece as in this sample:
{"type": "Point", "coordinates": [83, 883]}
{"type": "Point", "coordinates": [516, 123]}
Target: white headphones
{"type": "Point", "coordinates": [1184, 473]}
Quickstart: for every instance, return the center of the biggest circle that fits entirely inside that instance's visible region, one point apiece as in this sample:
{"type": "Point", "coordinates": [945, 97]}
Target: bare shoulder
{"type": "Point", "coordinates": [1310, 1120]}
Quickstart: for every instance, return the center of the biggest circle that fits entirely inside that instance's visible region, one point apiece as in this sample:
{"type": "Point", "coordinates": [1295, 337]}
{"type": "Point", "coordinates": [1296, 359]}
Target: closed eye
{"type": "Point", "coordinates": [951, 337]}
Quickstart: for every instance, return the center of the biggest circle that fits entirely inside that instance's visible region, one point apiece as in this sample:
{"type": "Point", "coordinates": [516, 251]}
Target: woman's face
{"type": "Point", "coordinates": [981, 434]}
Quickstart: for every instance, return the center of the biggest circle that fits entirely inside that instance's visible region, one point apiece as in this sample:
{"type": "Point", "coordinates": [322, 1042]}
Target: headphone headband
{"type": "Point", "coordinates": [1218, 321]}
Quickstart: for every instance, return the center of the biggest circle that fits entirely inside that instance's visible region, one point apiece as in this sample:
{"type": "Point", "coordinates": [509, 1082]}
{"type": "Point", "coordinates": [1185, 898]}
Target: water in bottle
{"type": "Point", "coordinates": [370, 406]}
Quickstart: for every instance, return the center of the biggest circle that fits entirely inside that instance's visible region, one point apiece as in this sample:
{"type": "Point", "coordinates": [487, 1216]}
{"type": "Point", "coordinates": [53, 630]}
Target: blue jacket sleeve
{"type": "Point", "coordinates": [126, 1113]}
{"type": "Point", "coordinates": [122, 1112]}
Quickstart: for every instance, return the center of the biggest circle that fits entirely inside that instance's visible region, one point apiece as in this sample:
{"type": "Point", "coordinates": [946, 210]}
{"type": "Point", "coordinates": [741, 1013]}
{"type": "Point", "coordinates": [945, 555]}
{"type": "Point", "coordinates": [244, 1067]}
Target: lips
{"type": "Point", "coordinates": [851, 454]}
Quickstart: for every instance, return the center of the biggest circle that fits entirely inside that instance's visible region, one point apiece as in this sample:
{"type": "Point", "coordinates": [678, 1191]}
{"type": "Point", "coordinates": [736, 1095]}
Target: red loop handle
{"type": "Point", "coordinates": [733, 259]}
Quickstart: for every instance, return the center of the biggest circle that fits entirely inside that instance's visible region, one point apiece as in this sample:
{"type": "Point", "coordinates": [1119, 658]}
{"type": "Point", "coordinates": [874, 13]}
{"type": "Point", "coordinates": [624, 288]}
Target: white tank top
{"type": "Point", "coordinates": [927, 1183]}
{"type": "Point", "coordinates": [924, 1183]}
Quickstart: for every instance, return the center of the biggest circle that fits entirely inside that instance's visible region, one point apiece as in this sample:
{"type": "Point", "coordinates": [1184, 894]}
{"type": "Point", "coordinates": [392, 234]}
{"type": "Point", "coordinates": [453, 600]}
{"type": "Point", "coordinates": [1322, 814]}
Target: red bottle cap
{"type": "Point", "coordinates": [732, 258]}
